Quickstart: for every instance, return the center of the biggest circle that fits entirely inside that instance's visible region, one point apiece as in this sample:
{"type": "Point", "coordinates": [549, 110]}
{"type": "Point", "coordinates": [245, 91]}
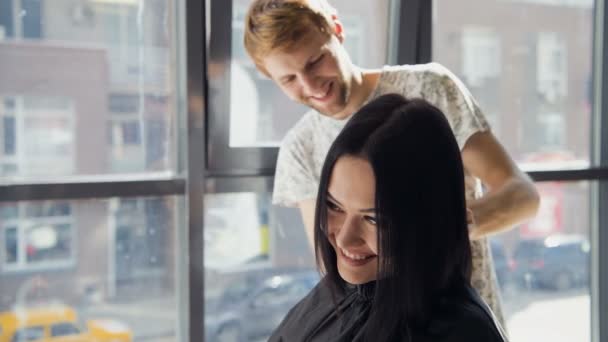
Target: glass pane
{"type": "Point", "coordinates": [87, 88]}
{"type": "Point", "coordinates": [258, 264]}
{"type": "Point", "coordinates": [96, 269]}
{"type": "Point", "coordinates": [260, 114]}
{"type": "Point", "coordinates": [10, 245]}
{"type": "Point", "coordinates": [64, 329]}
{"type": "Point", "coordinates": [543, 268]}
{"type": "Point", "coordinates": [530, 73]}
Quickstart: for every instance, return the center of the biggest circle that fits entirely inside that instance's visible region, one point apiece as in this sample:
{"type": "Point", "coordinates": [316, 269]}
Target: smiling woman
{"type": "Point", "coordinates": [391, 235]}
{"type": "Point", "coordinates": [351, 219]}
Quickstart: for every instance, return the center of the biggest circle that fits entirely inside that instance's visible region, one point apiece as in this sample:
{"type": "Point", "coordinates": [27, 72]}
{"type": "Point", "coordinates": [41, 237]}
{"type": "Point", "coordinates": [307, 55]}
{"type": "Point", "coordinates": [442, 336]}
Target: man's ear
{"type": "Point", "coordinates": [338, 28]}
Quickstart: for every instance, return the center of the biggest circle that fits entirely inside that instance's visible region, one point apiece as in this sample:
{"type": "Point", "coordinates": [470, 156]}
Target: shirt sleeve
{"type": "Point", "coordinates": [294, 178]}
{"type": "Point", "coordinates": [456, 101]}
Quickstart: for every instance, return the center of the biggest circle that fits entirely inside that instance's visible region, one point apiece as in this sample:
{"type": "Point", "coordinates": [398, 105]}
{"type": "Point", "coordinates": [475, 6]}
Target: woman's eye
{"type": "Point", "coordinates": [333, 207]}
{"type": "Point", "coordinates": [371, 220]}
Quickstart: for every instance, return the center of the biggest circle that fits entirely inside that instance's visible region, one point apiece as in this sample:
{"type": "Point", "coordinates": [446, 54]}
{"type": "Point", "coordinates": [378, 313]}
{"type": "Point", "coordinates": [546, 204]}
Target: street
{"type": "Point", "coordinates": [532, 316]}
{"type": "Point", "coordinates": [539, 315]}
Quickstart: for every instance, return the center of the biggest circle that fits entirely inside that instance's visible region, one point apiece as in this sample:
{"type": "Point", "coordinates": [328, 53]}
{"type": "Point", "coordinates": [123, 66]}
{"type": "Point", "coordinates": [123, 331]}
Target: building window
{"type": "Point", "coordinates": [8, 128]}
{"type": "Point", "coordinates": [481, 55]}
{"type": "Point", "coordinates": [130, 133]}
{"type": "Point", "coordinates": [37, 235]}
{"type": "Point", "coordinates": [140, 232]}
{"type": "Point", "coordinates": [552, 127]}
{"type": "Point", "coordinates": [38, 136]}
{"type": "Point", "coordinates": [551, 71]}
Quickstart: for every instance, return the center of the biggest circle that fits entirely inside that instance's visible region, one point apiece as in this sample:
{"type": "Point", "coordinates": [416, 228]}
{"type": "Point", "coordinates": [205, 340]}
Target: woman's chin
{"type": "Point", "coordinates": [356, 279]}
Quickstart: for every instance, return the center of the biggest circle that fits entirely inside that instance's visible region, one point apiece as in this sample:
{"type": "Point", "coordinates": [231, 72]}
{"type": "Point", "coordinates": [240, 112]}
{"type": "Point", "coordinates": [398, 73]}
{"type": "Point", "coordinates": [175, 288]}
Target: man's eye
{"type": "Point", "coordinates": [288, 80]}
{"type": "Point", "coordinates": [316, 61]}
{"type": "Point", "coordinates": [371, 220]}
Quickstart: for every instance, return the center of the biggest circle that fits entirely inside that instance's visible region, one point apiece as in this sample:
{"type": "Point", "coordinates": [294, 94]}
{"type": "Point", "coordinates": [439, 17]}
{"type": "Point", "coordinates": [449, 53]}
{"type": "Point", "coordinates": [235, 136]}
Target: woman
{"type": "Point", "coordinates": [391, 234]}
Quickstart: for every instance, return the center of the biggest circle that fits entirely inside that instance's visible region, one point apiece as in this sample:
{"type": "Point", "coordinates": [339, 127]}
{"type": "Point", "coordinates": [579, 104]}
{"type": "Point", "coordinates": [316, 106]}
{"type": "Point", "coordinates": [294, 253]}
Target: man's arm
{"type": "Point", "coordinates": [511, 197]}
{"type": "Point", "coordinates": [307, 209]}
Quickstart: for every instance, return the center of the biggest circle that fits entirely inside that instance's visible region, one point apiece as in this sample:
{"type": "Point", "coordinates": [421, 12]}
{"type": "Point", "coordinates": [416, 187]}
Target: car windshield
{"type": "Point", "coordinates": [237, 291]}
{"type": "Point", "coordinates": [28, 334]}
{"type": "Point", "coordinates": [528, 250]}
{"type": "Point", "coordinates": [64, 329]}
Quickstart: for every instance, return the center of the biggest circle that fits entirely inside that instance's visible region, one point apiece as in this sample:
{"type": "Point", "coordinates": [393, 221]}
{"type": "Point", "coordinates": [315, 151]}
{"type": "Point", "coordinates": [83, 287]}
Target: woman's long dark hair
{"type": "Point", "coordinates": [423, 244]}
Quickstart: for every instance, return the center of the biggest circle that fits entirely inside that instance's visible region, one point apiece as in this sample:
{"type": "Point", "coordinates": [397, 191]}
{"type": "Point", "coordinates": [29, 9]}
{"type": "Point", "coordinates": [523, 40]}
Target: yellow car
{"type": "Point", "coordinates": [57, 324]}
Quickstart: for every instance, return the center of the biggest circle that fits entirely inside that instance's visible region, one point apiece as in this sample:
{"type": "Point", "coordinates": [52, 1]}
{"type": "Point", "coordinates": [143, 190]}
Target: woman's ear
{"type": "Point", "coordinates": [338, 28]}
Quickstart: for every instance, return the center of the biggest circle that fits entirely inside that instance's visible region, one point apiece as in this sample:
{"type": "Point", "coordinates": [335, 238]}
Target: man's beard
{"type": "Point", "coordinates": [342, 100]}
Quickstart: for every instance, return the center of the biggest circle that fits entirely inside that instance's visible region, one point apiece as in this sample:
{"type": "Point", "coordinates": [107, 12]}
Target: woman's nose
{"type": "Point", "coordinates": [348, 233]}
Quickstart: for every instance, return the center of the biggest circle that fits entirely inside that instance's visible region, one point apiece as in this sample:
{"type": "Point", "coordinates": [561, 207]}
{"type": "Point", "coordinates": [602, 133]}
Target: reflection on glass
{"type": "Point", "coordinates": [37, 234]}
{"type": "Point", "coordinates": [543, 268]}
{"type": "Point", "coordinates": [260, 114]}
{"type": "Point", "coordinates": [530, 73]}
{"type": "Point", "coordinates": [87, 87]}
{"type": "Point", "coordinates": [232, 215]}
{"type": "Point", "coordinates": [90, 270]}
{"type": "Point", "coordinates": [257, 266]}
{"type": "Point", "coordinates": [48, 243]}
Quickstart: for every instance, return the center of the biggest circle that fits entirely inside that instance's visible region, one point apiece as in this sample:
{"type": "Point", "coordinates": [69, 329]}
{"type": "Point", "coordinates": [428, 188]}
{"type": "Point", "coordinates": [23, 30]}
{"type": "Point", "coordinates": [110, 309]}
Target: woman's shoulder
{"type": "Point", "coordinates": [475, 324]}
{"type": "Point", "coordinates": [466, 318]}
{"type": "Point", "coordinates": [306, 315]}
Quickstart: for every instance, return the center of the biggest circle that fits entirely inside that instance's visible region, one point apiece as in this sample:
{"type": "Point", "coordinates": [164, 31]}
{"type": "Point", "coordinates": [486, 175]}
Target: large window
{"type": "Point", "coordinates": [91, 203]}
{"type": "Point", "coordinates": [104, 259]}
{"type": "Point", "coordinates": [260, 114]}
{"type": "Point", "coordinates": [258, 261]}
{"type": "Point", "coordinates": [544, 266]}
{"type": "Point", "coordinates": [123, 105]}
{"type": "Point", "coordinates": [532, 76]}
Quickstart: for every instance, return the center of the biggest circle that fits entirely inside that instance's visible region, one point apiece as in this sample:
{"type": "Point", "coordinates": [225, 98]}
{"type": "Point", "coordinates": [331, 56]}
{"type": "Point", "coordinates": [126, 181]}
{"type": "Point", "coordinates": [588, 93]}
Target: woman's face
{"type": "Point", "coordinates": [351, 219]}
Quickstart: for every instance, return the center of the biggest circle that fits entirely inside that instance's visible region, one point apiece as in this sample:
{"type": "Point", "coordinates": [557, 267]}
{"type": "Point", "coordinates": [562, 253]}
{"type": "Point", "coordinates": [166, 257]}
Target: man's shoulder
{"type": "Point", "coordinates": [304, 127]}
{"type": "Point", "coordinates": [302, 132]}
{"type": "Point", "coordinates": [426, 69]}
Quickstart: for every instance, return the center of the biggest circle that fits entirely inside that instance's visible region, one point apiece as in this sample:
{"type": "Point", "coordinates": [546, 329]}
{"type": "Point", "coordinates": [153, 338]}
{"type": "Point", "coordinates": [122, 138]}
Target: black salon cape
{"type": "Point", "coordinates": [459, 318]}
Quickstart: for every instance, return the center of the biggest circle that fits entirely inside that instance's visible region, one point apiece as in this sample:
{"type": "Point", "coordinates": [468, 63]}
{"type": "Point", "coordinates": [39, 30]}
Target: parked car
{"type": "Point", "coordinates": [503, 264]}
{"type": "Point", "coordinates": [559, 262]}
{"type": "Point", "coordinates": [254, 305]}
{"type": "Point", "coordinates": [57, 323]}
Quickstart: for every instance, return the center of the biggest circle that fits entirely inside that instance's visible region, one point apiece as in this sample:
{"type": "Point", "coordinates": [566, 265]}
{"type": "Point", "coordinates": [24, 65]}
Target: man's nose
{"type": "Point", "coordinates": [311, 86]}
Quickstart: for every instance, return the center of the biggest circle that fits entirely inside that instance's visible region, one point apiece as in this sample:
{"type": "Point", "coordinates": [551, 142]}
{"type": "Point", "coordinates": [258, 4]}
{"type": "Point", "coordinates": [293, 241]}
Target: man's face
{"type": "Point", "coordinates": [316, 73]}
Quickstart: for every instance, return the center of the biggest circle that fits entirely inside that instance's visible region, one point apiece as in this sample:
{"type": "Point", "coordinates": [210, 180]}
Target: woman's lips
{"type": "Point", "coordinates": [356, 259]}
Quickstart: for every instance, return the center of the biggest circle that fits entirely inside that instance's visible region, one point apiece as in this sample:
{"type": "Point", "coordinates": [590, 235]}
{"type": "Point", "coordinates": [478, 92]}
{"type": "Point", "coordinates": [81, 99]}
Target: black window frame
{"type": "Point", "coordinates": [206, 156]}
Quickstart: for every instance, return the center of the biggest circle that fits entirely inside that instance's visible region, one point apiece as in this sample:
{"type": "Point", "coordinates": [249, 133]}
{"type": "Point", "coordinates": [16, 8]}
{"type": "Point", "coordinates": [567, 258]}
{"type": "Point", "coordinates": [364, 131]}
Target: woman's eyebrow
{"type": "Point", "coordinates": [369, 210]}
{"type": "Point", "coordinates": [333, 199]}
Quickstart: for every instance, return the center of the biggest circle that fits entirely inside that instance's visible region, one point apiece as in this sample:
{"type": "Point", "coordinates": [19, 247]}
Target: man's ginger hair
{"type": "Point", "coordinates": [281, 24]}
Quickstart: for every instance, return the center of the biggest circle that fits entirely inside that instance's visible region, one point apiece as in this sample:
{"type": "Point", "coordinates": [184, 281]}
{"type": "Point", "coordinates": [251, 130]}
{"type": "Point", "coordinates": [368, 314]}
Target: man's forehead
{"type": "Point", "coordinates": [298, 52]}
{"type": "Point", "coordinates": [320, 5]}
{"type": "Point", "coordinates": [311, 39]}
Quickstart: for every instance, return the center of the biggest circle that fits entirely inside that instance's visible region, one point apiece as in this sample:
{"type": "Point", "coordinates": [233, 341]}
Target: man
{"type": "Point", "coordinates": [298, 44]}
